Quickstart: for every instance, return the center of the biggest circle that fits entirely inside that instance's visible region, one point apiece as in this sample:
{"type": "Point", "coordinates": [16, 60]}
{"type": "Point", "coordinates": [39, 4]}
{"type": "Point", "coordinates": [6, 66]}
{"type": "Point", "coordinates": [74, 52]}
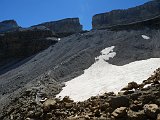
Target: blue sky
{"type": "Point", "coordinates": [32, 12]}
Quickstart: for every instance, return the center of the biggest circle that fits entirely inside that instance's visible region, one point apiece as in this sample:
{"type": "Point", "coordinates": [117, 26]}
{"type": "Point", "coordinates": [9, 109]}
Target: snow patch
{"type": "Point", "coordinates": [106, 54]}
{"type": "Point", "coordinates": [147, 85]}
{"type": "Point", "coordinates": [145, 37]}
{"type": "Point", "coordinates": [103, 77]}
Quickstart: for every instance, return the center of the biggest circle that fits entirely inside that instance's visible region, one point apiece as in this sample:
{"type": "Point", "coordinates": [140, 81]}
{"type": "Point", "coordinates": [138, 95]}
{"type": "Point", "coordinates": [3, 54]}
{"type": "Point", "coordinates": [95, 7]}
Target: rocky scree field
{"type": "Point", "coordinates": [28, 92]}
{"type": "Point", "coordinates": [133, 102]}
{"type": "Point", "coordinates": [76, 53]}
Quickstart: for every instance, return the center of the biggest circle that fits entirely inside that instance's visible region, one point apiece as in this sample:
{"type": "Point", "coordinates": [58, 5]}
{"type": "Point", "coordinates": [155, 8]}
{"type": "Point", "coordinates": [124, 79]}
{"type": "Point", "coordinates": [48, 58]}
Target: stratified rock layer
{"type": "Point", "coordinates": [8, 25]}
{"type": "Point", "coordinates": [64, 27]}
{"type": "Point", "coordinates": [22, 44]}
{"type": "Point", "coordinates": [119, 17]}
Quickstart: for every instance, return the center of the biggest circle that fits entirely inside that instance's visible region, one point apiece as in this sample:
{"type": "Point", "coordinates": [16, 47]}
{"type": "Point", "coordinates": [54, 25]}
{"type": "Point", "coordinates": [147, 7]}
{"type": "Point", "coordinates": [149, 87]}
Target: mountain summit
{"type": "Point", "coordinates": [8, 25]}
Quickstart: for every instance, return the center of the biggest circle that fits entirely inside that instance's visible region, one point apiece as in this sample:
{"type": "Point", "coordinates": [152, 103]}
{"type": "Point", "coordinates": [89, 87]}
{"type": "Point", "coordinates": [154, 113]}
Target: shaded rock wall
{"type": "Point", "coordinates": [21, 44]}
{"type": "Point", "coordinates": [116, 17]}
{"type": "Point", "coordinates": [153, 23]}
{"type": "Point", "coordinates": [8, 25]}
{"type": "Point", "coordinates": [64, 27]}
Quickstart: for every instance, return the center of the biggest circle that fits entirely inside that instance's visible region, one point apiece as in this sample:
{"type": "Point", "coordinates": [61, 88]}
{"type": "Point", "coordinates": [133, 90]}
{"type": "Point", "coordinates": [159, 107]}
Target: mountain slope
{"type": "Point", "coordinates": [69, 57]}
{"type": "Point", "coordinates": [46, 72]}
{"type": "Point", "coordinates": [103, 77]}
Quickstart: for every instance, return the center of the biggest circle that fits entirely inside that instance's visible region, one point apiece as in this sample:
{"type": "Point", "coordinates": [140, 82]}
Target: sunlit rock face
{"type": "Point", "coordinates": [118, 17]}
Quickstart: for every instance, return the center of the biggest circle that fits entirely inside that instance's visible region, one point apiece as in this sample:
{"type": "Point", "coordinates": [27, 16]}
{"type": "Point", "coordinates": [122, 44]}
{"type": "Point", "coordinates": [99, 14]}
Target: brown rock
{"type": "Point", "coordinates": [104, 106]}
{"type": "Point", "coordinates": [48, 104]}
{"type": "Point", "coordinates": [68, 105]}
{"type": "Point", "coordinates": [158, 116]}
{"type": "Point", "coordinates": [136, 107]}
{"type": "Point", "coordinates": [67, 99]}
{"type": "Point", "coordinates": [130, 86]}
{"type": "Point", "coordinates": [76, 118]}
{"type": "Point", "coordinates": [102, 118]}
{"type": "Point", "coordinates": [151, 110]}
{"type": "Point", "coordinates": [97, 113]}
{"type": "Point", "coordinates": [118, 101]}
{"type": "Point", "coordinates": [28, 119]}
{"type": "Point", "coordinates": [49, 115]}
{"type": "Point", "coordinates": [28, 91]}
{"type": "Point", "coordinates": [59, 113]}
{"type": "Point", "coordinates": [125, 92]}
{"type": "Point", "coordinates": [30, 114]}
{"type": "Point", "coordinates": [140, 115]}
{"type": "Point", "coordinates": [120, 112]}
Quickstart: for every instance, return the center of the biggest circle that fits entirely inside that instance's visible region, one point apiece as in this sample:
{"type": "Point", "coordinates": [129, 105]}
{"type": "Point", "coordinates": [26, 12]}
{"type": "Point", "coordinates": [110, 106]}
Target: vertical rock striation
{"type": "Point", "coordinates": [22, 44]}
{"type": "Point", "coordinates": [8, 25]}
{"type": "Point", "coordinates": [64, 27]}
{"type": "Point", "coordinates": [118, 17]}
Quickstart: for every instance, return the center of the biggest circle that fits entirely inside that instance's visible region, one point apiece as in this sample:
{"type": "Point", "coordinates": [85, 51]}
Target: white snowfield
{"type": "Point", "coordinates": [103, 77]}
{"type": "Point", "coordinates": [145, 37]}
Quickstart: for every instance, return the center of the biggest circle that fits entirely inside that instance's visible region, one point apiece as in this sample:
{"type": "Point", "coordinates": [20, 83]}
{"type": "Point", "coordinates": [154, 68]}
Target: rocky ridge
{"type": "Point", "coordinates": [152, 23]}
{"type": "Point", "coordinates": [17, 43]}
{"type": "Point", "coordinates": [64, 27]}
{"type": "Point", "coordinates": [8, 25]}
{"type": "Point", "coordinates": [138, 102]}
{"type": "Point", "coordinates": [25, 43]}
{"type": "Point", "coordinates": [118, 17]}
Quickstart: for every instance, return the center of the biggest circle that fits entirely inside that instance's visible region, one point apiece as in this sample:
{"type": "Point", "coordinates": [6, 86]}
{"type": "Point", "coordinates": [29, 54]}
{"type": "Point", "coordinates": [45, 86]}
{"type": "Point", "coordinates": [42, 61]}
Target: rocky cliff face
{"type": "Point", "coordinates": [8, 25]}
{"type": "Point", "coordinates": [64, 27]}
{"type": "Point", "coordinates": [153, 23]}
{"type": "Point", "coordinates": [17, 43]}
{"type": "Point", "coordinates": [21, 44]}
{"type": "Point", "coordinates": [118, 17]}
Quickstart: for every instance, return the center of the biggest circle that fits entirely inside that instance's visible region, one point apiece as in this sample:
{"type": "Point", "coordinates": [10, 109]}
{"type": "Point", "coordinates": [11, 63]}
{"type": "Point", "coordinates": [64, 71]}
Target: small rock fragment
{"type": "Point", "coordinates": [119, 112]}
{"type": "Point", "coordinates": [48, 104]}
{"type": "Point", "coordinates": [151, 110]}
{"type": "Point", "coordinates": [119, 101]}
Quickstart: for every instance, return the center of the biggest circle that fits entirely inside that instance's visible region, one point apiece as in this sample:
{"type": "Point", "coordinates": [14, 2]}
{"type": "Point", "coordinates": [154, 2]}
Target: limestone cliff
{"type": "Point", "coordinates": [22, 44]}
{"type": "Point", "coordinates": [118, 17]}
{"type": "Point", "coordinates": [64, 27]}
{"type": "Point", "coordinates": [8, 25]}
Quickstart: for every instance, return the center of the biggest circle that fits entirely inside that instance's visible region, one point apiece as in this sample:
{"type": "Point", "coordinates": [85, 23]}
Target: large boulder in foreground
{"type": "Point", "coordinates": [131, 15]}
